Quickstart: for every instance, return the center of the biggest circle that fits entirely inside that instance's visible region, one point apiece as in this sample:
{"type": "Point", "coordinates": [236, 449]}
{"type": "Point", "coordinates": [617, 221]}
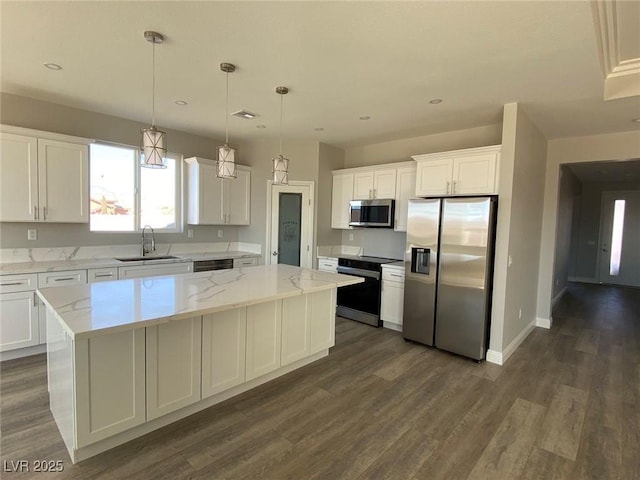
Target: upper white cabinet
{"type": "Point", "coordinates": [43, 180]}
{"type": "Point", "coordinates": [405, 189]}
{"type": "Point", "coordinates": [461, 172]}
{"type": "Point", "coordinates": [217, 201]}
{"type": "Point", "coordinates": [379, 183]}
{"type": "Point", "coordinates": [341, 195]}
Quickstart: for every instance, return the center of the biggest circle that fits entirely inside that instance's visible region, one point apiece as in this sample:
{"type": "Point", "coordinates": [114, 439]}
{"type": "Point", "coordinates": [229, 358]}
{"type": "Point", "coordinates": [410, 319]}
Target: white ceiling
{"type": "Point", "coordinates": [341, 61]}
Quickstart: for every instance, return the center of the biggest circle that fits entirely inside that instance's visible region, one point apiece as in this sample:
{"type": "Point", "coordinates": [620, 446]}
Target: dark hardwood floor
{"type": "Point", "coordinates": [566, 405]}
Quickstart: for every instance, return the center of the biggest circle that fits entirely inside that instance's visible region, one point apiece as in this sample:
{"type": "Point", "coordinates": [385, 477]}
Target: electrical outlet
{"type": "Point", "coordinates": [189, 233]}
{"type": "Point", "coordinates": [351, 237]}
{"type": "Point", "coordinates": [32, 234]}
{"type": "Point", "coordinates": [220, 233]}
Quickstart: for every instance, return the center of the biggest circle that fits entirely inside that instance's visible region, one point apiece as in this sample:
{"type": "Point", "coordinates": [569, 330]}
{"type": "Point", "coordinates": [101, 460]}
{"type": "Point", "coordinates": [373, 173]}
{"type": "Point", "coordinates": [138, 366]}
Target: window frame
{"type": "Point", "coordinates": [137, 189]}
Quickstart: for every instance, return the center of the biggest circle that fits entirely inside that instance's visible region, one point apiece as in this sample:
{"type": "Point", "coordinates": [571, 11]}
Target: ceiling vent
{"type": "Point", "coordinates": [244, 114]}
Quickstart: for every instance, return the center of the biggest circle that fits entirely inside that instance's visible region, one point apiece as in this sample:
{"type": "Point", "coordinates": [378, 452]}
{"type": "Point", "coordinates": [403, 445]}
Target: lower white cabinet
{"type": "Point", "coordinates": [173, 364]}
{"type": "Point", "coordinates": [18, 320]}
{"type": "Point", "coordinates": [392, 299]}
{"type": "Point", "coordinates": [223, 350]}
{"type": "Point", "coordinates": [110, 384]}
{"type": "Point", "coordinates": [142, 271]}
{"type": "Point", "coordinates": [245, 262]}
{"type": "Point", "coordinates": [65, 278]}
{"type": "Point", "coordinates": [322, 320]}
{"type": "Point", "coordinates": [296, 331]}
{"type": "Point", "coordinates": [263, 338]}
{"type": "Point", "coordinates": [102, 274]}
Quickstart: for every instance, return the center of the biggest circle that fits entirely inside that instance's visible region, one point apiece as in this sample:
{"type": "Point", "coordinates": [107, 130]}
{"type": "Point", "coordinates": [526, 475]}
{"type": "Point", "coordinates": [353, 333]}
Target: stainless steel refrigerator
{"type": "Point", "coordinates": [448, 273]}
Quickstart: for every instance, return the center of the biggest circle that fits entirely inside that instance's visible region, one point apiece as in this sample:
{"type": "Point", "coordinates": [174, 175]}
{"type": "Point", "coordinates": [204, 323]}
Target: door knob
{"type": "Point", "coordinates": [274, 253]}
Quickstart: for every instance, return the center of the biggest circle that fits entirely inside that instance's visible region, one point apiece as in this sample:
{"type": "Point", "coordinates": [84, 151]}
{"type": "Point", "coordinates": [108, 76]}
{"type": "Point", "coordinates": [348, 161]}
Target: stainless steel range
{"type": "Point", "coordinates": [361, 302]}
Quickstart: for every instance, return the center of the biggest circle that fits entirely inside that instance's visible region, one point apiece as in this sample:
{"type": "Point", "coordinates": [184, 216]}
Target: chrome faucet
{"type": "Point", "coordinates": [148, 244]}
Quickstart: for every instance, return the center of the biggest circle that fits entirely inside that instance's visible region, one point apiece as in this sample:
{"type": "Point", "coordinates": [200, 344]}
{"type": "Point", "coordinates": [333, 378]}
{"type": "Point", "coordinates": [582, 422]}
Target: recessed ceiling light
{"type": "Point", "coordinates": [244, 114]}
{"type": "Point", "coordinates": [636, 120]}
{"type": "Point", "coordinates": [319, 129]}
{"type": "Point", "coordinates": [182, 103]}
{"type": "Point", "coordinates": [435, 101]}
{"type": "Point", "coordinates": [365, 117]}
{"type": "Point", "coordinates": [261, 126]}
{"type": "Point", "coordinates": [53, 66]}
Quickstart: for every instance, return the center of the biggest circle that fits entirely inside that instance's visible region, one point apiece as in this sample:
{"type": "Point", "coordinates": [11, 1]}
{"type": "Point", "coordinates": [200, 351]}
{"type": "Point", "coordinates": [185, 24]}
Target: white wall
{"type": "Point", "coordinates": [402, 150]}
{"type": "Point", "coordinates": [521, 188]}
{"type": "Point", "coordinates": [612, 146]}
{"type": "Point", "coordinates": [570, 188]}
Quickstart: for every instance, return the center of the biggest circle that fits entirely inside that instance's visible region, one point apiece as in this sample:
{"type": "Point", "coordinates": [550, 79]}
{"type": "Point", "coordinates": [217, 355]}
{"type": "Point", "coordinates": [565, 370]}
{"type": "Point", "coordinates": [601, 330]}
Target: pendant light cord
{"type": "Point", "coordinates": [281, 124]}
{"type": "Point", "coordinates": [226, 114]}
{"type": "Point", "coordinates": [153, 85]}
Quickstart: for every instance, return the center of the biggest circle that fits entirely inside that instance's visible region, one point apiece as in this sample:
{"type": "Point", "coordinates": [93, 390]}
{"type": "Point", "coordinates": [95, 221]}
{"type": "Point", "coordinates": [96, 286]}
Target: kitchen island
{"type": "Point", "coordinates": [130, 356]}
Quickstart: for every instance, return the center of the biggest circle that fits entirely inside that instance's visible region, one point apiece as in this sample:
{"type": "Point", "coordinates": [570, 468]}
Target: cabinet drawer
{"type": "Point", "coordinates": [102, 274]}
{"type": "Point", "coordinates": [328, 264]}
{"type": "Point", "coordinates": [18, 283]}
{"type": "Point", "coordinates": [61, 279]}
{"type": "Point", "coordinates": [392, 275]}
{"type": "Point", "coordinates": [244, 262]}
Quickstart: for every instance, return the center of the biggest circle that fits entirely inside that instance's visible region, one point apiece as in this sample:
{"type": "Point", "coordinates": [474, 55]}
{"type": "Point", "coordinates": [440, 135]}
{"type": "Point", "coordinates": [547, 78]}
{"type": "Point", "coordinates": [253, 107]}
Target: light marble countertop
{"type": "Point", "coordinates": [109, 307]}
{"type": "Point", "coordinates": [80, 263]}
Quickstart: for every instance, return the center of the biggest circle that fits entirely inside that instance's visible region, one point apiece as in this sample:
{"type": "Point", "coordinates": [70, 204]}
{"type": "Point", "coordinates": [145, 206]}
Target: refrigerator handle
{"type": "Point", "coordinates": [420, 260]}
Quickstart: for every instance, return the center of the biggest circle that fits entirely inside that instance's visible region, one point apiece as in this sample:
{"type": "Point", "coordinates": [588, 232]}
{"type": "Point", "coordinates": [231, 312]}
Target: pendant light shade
{"type": "Point", "coordinates": [154, 147]}
{"type": "Point", "coordinates": [227, 154]}
{"type": "Point", "coordinates": [281, 164]}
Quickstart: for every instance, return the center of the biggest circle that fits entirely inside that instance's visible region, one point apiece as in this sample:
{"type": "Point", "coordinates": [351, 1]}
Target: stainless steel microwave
{"type": "Point", "coordinates": [372, 213]}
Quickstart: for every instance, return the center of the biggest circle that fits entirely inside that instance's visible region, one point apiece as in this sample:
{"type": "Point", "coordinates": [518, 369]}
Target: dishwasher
{"type": "Point", "coordinates": [206, 265]}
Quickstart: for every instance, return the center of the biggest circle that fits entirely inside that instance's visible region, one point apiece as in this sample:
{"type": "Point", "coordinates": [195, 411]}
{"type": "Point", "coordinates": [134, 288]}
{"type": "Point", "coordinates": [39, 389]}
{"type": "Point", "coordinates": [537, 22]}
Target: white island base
{"type": "Point", "coordinates": [112, 385]}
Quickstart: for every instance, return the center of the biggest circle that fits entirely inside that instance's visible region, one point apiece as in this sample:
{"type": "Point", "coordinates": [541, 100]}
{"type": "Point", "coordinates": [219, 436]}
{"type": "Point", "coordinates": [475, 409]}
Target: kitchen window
{"type": "Point", "coordinates": [124, 197]}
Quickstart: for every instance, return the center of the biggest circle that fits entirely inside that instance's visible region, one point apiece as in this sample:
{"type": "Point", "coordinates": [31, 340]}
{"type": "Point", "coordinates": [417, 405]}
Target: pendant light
{"type": "Point", "coordinates": [281, 164]}
{"type": "Point", "coordinates": [153, 140]}
{"type": "Point", "coordinates": [227, 154]}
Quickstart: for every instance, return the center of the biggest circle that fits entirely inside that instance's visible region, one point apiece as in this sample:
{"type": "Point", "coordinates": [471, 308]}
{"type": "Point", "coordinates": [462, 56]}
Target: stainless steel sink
{"type": "Point", "coordinates": [147, 258]}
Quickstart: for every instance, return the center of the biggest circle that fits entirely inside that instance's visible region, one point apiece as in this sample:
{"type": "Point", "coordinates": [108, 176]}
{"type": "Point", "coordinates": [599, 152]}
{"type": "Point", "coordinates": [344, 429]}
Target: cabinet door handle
{"type": "Point", "coordinates": [448, 183]}
{"type": "Point", "coordinates": [103, 275]}
{"type": "Point", "coordinates": [11, 283]}
{"type": "Point", "coordinates": [63, 279]}
{"type": "Point", "coordinates": [44, 212]}
{"type": "Point", "coordinates": [454, 186]}
{"type": "Point", "coordinates": [395, 275]}
{"type": "Point", "coordinates": [35, 212]}
{"type": "Point", "coordinates": [35, 299]}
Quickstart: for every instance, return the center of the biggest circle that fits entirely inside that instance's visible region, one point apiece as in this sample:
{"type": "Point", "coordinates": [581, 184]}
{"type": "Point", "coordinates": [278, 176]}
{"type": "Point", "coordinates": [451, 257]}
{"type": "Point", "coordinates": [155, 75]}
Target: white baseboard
{"type": "Point", "coordinates": [499, 358]}
{"type": "Point", "coordinates": [583, 280]}
{"type": "Point", "coordinates": [23, 352]}
{"type": "Point", "coordinates": [392, 326]}
{"type": "Point", "coordinates": [544, 322]}
{"type": "Point", "coordinates": [557, 298]}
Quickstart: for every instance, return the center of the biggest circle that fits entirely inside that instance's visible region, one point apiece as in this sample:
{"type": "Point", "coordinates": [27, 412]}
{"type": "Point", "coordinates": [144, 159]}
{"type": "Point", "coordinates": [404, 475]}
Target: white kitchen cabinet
{"type": "Point", "coordinates": [173, 366]}
{"type": "Point", "coordinates": [379, 183]}
{"type": "Point", "coordinates": [264, 325]}
{"type": "Point", "coordinates": [19, 326]}
{"type": "Point", "coordinates": [295, 329]}
{"type": "Point", "coordinates": [109, 384]}
{"type": "Point", "coordinates": [322, 320]}
{"type": "Point", "coordinates": [217, 201]}
{"type": "Point", "coordinates": [462, 172]}
{"type": "Point", "coordinates": [341, 195]}
{"type": "Point", "coordinates": [327, 264]}
{"type": "Point", "coordinates": [405, 190]}
{"type": "Point", "coordinates": [43, 180]}
{"type": "Point", "coordinates": [65, 278]}
{"type": "Point", "coordinates": [102, 274]}
{"type": "Point", "coordinates": [392, 299]}
{"type": "Point", "coordinates": [156, 270]}
{"type": "Point", "coordinates": [245, 262]}
{"type": "Point", "coordinates": [223, 350]}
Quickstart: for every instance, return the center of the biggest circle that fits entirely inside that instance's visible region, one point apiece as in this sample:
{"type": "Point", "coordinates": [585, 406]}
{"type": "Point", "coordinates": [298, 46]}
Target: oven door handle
{"type": "Point", "coordinates": [359, 272]}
